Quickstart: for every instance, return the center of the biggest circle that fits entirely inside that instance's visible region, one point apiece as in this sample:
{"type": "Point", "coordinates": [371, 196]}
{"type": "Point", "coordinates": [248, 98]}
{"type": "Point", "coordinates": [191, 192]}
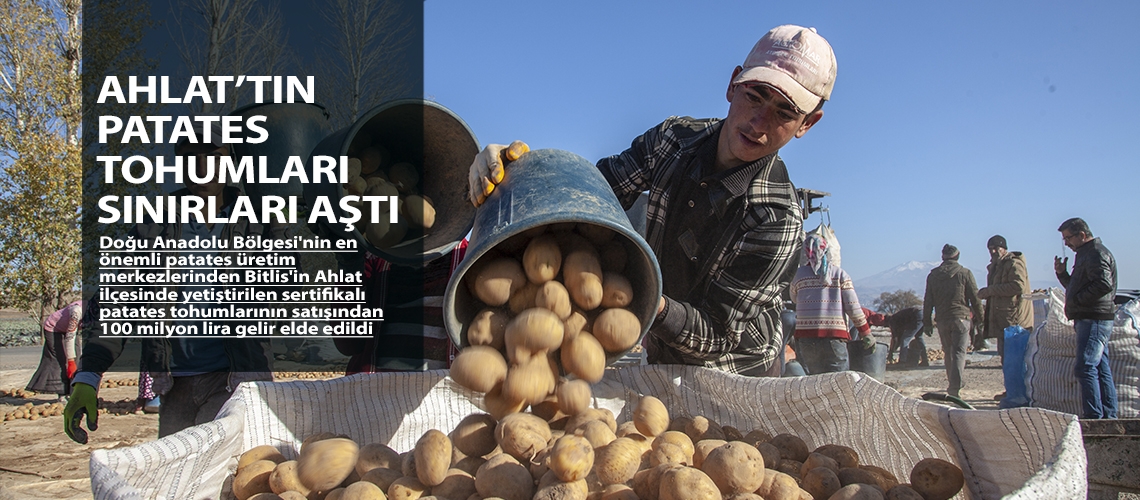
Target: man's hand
{"type": "Point", "coordinates": [489, 169]}
{"type": "Point", "coordinates": [84, 401]}
{"type": "Point", "coordinates": [71, 369]}
{"type": "Point", "coordinates": [984, 292]}
{"type": "Point", "coordinates": [868, 342]}
{"type": "Point", "coordinates": [1060, 266]}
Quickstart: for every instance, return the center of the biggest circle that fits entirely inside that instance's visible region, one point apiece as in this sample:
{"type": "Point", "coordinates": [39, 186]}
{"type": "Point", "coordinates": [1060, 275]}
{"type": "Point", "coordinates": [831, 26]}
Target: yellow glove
{"type": "Point", "coordinates": [84, 400]}
{"type": "Point", "coordinates": [489, 169]}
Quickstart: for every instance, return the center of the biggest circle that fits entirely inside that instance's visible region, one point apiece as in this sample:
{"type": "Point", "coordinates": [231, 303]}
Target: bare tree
{"type": "Point", "coordinates": [893, 302]}
{"type": "Point", "coordinates": [363, 64]}
{"type": "Point", "coordinates": [230, 37]}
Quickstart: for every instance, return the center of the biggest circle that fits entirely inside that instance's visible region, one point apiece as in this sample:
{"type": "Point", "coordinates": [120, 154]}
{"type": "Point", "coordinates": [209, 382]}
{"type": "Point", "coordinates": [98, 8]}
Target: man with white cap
{"type": "Point", "coordinates": [723, 216]}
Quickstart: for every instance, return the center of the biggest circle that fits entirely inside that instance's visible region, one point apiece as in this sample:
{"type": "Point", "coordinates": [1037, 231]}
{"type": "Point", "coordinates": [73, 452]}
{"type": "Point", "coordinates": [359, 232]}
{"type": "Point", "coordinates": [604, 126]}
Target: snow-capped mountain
{"type": "Point", "coordinates": [908, 276]}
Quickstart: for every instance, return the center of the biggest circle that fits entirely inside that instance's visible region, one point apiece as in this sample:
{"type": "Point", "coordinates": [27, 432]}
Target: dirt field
{"type": "Point", "coordinates": [38, 461]}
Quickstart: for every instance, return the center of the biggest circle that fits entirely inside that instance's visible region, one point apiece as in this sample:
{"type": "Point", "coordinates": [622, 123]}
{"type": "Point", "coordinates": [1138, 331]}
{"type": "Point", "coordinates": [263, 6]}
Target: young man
{"type": "Point", "coordinates": [1089, 293]}
{"type": "Point", "coordinates": [953, 293]}
{"type": "Point", "coordinates": [723, 217]}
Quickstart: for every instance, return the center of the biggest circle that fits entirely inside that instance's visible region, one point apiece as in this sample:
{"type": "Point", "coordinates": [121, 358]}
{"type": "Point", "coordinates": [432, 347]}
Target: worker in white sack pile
{"type": "Point", "coordinates": [723, 217]}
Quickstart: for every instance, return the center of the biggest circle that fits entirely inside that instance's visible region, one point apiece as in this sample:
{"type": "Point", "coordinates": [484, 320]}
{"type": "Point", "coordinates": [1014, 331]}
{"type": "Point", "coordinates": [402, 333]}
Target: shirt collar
{"type": "Point", "coordinates": [734, 180]}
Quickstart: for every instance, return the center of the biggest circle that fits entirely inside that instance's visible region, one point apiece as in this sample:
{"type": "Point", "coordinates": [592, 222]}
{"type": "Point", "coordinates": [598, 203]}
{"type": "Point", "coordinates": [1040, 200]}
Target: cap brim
{"type": "Point", "coordinates": [801, 97]}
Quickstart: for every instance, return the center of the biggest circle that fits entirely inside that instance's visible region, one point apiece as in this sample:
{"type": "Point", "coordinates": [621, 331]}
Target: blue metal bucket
{"type": "Point", "coordinates": [549, 186]}
{"type": "Point", "coordinates": [434, 139]}
{"type": "Point", "coordinates": [871, 361]}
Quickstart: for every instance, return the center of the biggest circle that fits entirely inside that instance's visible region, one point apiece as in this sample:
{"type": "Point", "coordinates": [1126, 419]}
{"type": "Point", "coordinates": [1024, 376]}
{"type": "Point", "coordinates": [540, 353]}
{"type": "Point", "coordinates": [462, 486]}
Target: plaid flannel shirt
{"type": "Point", "coordinates": [731, 318]}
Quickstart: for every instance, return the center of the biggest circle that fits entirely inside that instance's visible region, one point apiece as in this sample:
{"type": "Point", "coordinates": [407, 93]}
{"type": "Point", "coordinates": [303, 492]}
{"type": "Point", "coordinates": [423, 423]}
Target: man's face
{"type": "Point", "coordinates": [997, 252]}
{"type": "Point", "coordinates": [1073, 240]}
{"type": "Point", "coordinates": [760, 121]}
{"type": "Point", "coordinates": [197, 154]}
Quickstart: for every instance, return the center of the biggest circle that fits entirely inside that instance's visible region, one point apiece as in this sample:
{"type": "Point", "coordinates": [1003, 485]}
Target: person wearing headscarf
{"type": "Point", "coordinates": [825, 298]}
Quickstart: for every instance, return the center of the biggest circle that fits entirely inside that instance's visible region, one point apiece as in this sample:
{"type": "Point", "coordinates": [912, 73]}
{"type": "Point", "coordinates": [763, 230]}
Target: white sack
{"type": "Point", "coordinates": [1051, 358]}
{"type": "Point", "coordinates": [1023, 452]}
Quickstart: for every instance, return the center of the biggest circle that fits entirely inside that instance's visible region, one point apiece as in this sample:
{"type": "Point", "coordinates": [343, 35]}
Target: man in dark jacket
{"type": "Point", "coordinates": [1089, 293]}
{"type": "Point", "coordinates": [906, 337]}
{"type": "Point", "coordinates": [952, 291]}
{"type": "Point", "coordinates": [1007, 280]}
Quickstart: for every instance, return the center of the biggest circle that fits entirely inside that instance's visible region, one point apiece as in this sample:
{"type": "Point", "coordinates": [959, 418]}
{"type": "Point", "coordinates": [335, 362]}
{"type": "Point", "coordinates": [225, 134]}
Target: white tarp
{"type": "Point", "coordinates": [1020, 453]}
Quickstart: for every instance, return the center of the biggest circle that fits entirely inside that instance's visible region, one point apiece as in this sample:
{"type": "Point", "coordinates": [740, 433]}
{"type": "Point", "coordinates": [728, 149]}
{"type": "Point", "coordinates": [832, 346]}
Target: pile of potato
{"type": "Point", "coordinates": [371, 172]}
{"type": "Point", "coordinates": [547, 454]}
{"type": "Point", "coordinates": [33, 411]}
{"type": "Point", "coordinates": [554, 303]}
{"type": "Point", "coordinates": [126, 382]}
{"type": "Point", "coordinates": [16, 393]}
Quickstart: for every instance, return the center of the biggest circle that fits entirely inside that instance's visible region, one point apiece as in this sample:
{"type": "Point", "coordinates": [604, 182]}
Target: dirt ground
{"type": "Point", "coordinates": [38, 461]}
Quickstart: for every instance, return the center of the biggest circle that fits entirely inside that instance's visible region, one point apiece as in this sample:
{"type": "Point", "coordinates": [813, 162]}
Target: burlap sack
{"type": "Point", "coordinates": [1021, 453]}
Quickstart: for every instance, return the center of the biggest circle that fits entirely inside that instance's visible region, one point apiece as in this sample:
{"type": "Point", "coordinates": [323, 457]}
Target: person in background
{"type": "Point", "coordinates": [723, 215]}
{"type": "Point", "coordinates": [1090, 290]}
{"type": "Point", "coordinates": [906, 337]}
{"type": "Point", "coordinates": [1007, 280]}
{"type": "Point", "coordinates": [825, 296]}
{"type": "Point", "coordinates": [57, 362]}
{"type": "Point", "coordinates": [951, 292]}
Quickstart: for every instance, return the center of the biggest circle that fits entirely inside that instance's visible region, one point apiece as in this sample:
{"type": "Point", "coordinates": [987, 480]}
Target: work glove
{"type": "Point", "coordinates": [489, 169]}
{"type": "Point", "coordinates": [71, 369]}
{"type": "Point", "coordinates": [84, 400]}
{"type": "Point", "coordinates": [868, 342]}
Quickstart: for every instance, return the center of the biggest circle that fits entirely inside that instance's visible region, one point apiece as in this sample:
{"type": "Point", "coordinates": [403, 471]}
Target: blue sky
{"type": "Point", "coordinates": [950, 121]}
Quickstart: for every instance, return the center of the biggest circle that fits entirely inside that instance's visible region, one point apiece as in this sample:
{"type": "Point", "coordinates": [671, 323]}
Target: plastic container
{"type": "Point", "coordinates": [543, 187]}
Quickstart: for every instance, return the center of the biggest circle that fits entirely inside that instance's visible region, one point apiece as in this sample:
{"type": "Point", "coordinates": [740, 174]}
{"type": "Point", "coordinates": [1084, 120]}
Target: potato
{"type": "Point", "coordinates": [353, 167]}
{"type": "Point", "coordinates": [498, 279]}
{"type": "Point", "coordinates": [488, 328]}
{"type": "Point", "coordinates": [771, 454]}
{"type": "Point", "coordinates": [844, 456]}
{"type": "Point", "coordinates": [903, 492]}
{"type": "Point", "coordinates": [574, 324]}
{"type": "Point", "coordinates": [617, 329]}
{"type": "Point", "coordinates": [253, 479]}
{"type": "Point", "coordinates": [475, 435]}
{"type": "Point", "coordinates": [284, 478]}
{"type": "Point", "coordinates": [646, 483]}
{"type": "Point", "coordinates": [419, 211]}
{"type": "Point", "coordinates": [355, 186]}
{"type": "Point", "coordinates": [746, 496]}
{"type": "Point", "coordinates": [616, 290]}
{"type": "Point", "coordinates": [457, 484]}
{"type": "Point", "coordinates": [735, 467]}
{"type": "Point", "coordinates": [627, 428]}
{"type": "Point", "coordinates": [503, 477]}
{"type": "Point", "coordinates": [542, 259]}
{"type": "Point", "coordinates": [817, 460]}
{"type": "Point", "coordinates": [382, 477]}
{"type": "Point", "coordinates": [404, 176]}
{"type": "Point", "coordinates": [857, 491]}
{"type": "Point", "coordinates": [702, 449]}
{"type": "Point", "coordinates": [668, 453]}
{"type": "Point", "coordinates": [547, 409]}
{"type": "Point", "coordinates": [522, 435]}
{"type": "Point", "coordinates": [371, 158]}
{"type": "Point", "coordinates": [314, 438]}
{"type": "Point", "coordinates": [531, 381]}
{"type": "Point", "coordinates": [778, 486]}
{"type": "Point", "coordinates": [616, 492]}
{"type": "Point", "coordinates": [535, 329]}
{"type": "Point", "coordinates": [596, 432]}
{"type": "Point", "coordinates": [375, 455]}
{"type": "Point", "coordinates": [699, 428]}
{"type": "Point", "coordinates": [263, 452]}
{"type": "Point", "coordinates": [733, 434]}
{"type": "Point", "coordinates": [552, 489]}
{"type": "Point", "coordinates": [363, 490]}
{"type": "Point", "coordinates": [433, 457]}
{"type": "Point", "coordinates": [325, 463]}
{"type": "Point", "coordinates": [478, 368]}
{"type": "Point", "coordinates": [406, 488]}
{"type": "Point", "coordinates": [678, 438]}
{"type": "Point", "coordinates": [470, 464]}
{"type": "Point", "coordinates": [292, 495]}
{"type": "Point", "coordinates": [265, 495]}
{"type": "Point", "coordinates": [791, 447]}
{"type": "Point", "coordinates": [613, 256]}
{"type": "Point", "coordinates": [853, 475]}
{"type": "Point", "coordinates": [936, 479]}
{"type": "Point", "coordinates": [591, 414]}
{"type": "Point", "coordinates": [650, 416]}
{"type": "Point", "coordinates": [553, 296]}
{"type": "Point", "coordinates": [888, 480]}
{"type": "Point", "coordinates": [618, 461]}
{"type": "Point", "coordinates": [573, 396]}
{"type": "Point", "coordinates": [378, 186]}
{"type": "Point", "coordinates": [584, 357]}
{"type": "Point", "coordinates": [499, 405]}
{"type": "Point", "coordinates": [383, 234]}
{"type": "Point", "coordinates": [334, 494]}
{"type": "Point", "coordinates": [582, 274]}
{"type": "Point", "coordinates": [571, 458]}
{"type": "Point", "coordinates": [523, 298]}
{"type": "Point", "coordinates": [790, 467]}
{"type": "Point", "coordinates": [821, 482]}
{"type": "Point", "coordinates": [408, 463]}
{"type": "Point", "coordinates": [687, 483]}
{"type": "Point", "coordinates": [757, 436]}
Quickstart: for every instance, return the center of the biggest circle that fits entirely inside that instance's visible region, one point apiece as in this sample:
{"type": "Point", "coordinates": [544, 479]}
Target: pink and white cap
{"type": "Point", "coordinates": [795, 60]}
